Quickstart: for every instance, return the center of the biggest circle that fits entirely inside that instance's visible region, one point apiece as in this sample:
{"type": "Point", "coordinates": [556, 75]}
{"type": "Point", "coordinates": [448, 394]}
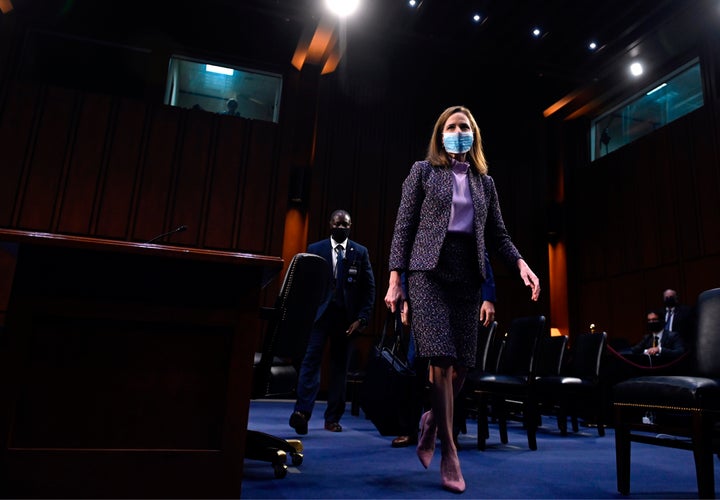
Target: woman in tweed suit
{"type": "Point", "coordinates": [449, 213]}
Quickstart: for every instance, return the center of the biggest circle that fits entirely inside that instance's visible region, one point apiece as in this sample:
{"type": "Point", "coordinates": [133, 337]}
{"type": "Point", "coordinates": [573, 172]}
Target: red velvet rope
{"type": "Point", "coordinates": [643, 367]}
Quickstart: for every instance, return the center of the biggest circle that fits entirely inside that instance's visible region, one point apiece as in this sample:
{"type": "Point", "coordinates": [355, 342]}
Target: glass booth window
{"type": "Point", "coordinates": [219, 88]}
{"type": "Point", "coordinates": [666, 100]}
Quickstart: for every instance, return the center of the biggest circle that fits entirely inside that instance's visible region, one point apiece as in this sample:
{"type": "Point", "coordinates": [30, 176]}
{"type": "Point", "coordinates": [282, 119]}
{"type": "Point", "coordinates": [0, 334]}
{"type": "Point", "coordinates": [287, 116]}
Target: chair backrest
{"type": "Point", "coordinates": [551, 354]}
{"type": "Point", "coordinates": [586, 354]}
{"type": "Point", "coordinates": [707, 345]}
{"type": "Point", "coordinates": [517, 354]}
{"type": "Point", "coordinates": [304, 287]}
{"type": "Point", "coordinates": [484, 359]}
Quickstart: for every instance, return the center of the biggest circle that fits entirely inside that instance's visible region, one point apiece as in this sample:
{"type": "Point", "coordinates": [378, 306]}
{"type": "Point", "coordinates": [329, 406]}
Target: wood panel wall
{"type": "Point", "coordinates": [642, 219]}
{"type": "Point", "coordinates": [98, 165]}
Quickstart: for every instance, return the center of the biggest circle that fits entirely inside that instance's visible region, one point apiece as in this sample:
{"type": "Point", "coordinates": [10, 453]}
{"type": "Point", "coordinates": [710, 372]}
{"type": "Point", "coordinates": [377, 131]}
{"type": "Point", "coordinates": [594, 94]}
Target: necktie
{"type": "Point", "coordinates": [339, 272]}
{"type": "Point", "coordinates": [655, 341]}
{"type": "Point", "coordinates": [669, 319]}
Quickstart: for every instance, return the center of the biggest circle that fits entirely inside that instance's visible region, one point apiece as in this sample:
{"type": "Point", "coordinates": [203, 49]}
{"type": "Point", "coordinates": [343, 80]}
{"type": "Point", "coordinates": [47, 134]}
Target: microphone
{"type": "Point", "coordinates": [178, 229]}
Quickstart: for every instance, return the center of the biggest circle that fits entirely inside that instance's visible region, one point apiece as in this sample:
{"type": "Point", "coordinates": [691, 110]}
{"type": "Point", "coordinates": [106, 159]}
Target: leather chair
{"type": "Point", "coordinates": [676, 411]}
{"type": "Point", "coordinates": [578, 383]}
{"type": "Point", "coordinates": [285, 340]}
{"type": "Point", "coordinates": [515, 372]}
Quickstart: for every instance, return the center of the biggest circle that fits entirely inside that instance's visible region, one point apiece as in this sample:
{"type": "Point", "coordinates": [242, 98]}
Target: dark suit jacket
{"type": "Point", "coordinates": [358, 281]}
{"type": "Point", "coordinates": [424, 214]}
{"type": "Point", "coordinates": [671, 344]}
{"type": "Point", "coordinates": [685, 323]}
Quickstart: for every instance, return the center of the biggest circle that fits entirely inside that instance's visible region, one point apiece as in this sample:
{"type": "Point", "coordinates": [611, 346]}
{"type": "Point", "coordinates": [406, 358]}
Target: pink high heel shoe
{"type": "Point", "coordinates": [426, 441]}
{"type": "Point", "coordinates": [452, 478]}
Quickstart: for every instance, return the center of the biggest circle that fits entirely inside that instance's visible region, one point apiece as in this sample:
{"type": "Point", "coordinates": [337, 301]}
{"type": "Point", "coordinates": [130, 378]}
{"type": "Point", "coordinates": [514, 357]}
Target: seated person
{"type": "Point", "coordinates": [659, 342]}
{"type": "Point", "coordinates": [231, 108]}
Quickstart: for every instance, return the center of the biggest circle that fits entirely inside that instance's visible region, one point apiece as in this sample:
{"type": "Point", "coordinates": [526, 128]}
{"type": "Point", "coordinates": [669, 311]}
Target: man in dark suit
{"type": "Point", "coordinates": [679, 317]}
{"type": "Point", "coordinates": [345, 311]}
{"type": "Point", "coordinates": [659, 341]}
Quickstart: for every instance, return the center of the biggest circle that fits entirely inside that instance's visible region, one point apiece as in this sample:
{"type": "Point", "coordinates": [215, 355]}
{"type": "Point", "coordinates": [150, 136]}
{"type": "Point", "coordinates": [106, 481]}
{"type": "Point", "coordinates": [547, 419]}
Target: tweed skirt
{"type": "Point", "coordinates": [445, 303]}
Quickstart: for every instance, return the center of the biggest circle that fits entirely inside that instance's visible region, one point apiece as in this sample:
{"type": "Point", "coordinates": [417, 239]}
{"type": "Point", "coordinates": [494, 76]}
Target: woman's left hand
{"type": "Point", "coordinates": [529, 279]}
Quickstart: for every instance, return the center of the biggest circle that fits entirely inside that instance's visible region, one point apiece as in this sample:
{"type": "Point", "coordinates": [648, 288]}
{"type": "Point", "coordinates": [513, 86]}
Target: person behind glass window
{"type": "Point", "coordinates": [231, 107]}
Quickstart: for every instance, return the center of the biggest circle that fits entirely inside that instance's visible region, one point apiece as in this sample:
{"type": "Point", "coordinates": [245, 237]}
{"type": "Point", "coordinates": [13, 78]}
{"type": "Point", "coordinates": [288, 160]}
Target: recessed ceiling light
{"type": "Point", "coordinates": [536, 32]}
{"type": "Point", "coordinates": [592, 45]}
{"type": "Point", "coordinates": [636, 69]}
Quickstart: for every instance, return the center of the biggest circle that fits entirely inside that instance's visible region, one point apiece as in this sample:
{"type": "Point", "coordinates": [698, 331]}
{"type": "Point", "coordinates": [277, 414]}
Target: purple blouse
{"type": "Point", "coordinates": [461, 212]}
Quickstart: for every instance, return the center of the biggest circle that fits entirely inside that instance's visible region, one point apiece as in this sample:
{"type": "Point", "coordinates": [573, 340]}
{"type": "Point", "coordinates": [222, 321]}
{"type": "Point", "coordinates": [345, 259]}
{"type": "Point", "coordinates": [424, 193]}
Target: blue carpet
{"type": "Point", "coordinates": [360, 463]}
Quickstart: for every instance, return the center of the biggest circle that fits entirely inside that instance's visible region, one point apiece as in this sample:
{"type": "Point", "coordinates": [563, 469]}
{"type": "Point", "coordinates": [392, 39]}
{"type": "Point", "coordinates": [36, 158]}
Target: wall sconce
{"type": "Point", "coordinates": [299, 181]}
{"type": "Point", "coordinates": [6, 6]}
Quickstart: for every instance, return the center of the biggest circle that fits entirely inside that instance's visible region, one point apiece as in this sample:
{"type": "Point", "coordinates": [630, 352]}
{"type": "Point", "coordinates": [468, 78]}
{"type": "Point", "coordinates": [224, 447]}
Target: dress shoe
{"type": "Point", "coordinates": [426, 441]}
{"type": "Point", "coordinates": [452, 478]}
{"type": "Point", "coordinates": [403, 441]}
{"type": "Point", "coordinates": [333, 427]}
{"type": "Point", "coordinates": [299, 422]}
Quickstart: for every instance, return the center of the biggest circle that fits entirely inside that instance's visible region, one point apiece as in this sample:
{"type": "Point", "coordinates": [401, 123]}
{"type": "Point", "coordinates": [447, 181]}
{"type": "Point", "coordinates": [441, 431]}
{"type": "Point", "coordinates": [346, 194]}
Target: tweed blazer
{"type": "Point", "coordinates": [424, 214]}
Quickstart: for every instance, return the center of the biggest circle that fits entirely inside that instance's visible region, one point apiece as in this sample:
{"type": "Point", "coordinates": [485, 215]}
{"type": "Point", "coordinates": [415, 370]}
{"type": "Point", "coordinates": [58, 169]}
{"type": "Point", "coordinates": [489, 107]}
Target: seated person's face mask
{"type": "Point", "coordinates": [655, 326]}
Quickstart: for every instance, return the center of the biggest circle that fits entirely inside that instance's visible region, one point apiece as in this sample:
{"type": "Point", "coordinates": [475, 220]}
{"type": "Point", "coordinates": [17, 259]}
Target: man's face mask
{"type": "Point", "coordinates": [670, 301]}
{"type": "Point", "coordinates": [655, 326]}
{"type": "Point", "coordinates": [457, 142]}
{"type": "Point", "coordinates": [340, 234]}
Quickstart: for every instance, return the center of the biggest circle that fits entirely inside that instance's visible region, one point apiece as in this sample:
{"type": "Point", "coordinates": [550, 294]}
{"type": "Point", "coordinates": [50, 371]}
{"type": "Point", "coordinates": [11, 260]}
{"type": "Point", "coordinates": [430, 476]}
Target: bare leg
{"type": "Point", "coordinates": [445, 381]}
{"type": "Point", "coordinates": [428, 434]}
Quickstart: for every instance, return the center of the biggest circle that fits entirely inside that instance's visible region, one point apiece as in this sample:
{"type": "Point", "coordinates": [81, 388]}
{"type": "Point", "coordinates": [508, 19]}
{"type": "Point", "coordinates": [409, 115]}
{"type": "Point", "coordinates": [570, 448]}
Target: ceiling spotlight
{"type": "Point", "coordinates": [342, 8]}
{"type": "Point", "coordinates": [412, 3]}
{"type": "Point", "coordinates": [636, 69]}
{"type": "Point", "coordinates": [592, 45]}
{"type": "Point", "coordinates": [476, 18]}
{"type": "Point", "coordinates": [536, 32]}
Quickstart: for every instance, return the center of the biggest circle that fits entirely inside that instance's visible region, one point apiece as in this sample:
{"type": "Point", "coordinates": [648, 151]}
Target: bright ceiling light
{"type": "Point", "coordinates": [662, 85]}
{"type": "Point", "coordinates": [219, 69]}
{"type": "Point", "coordinates": [636, 69]}
{"type": "Point", "coordinates": [342, 8]}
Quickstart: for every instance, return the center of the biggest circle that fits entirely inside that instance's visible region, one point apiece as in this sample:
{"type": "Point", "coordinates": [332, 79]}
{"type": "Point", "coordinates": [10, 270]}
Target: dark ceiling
{"type": "Point", "coordinates": [437, 31]}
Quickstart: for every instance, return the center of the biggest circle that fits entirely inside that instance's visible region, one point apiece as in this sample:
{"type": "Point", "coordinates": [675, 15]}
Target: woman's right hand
{"type": "Point", "coordinates": [394, 292]}
{"type": "Point", "coordinates": [405, 313]}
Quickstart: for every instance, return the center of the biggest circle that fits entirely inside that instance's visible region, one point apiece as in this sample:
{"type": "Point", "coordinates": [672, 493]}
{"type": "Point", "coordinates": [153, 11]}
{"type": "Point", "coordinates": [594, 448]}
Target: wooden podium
{"type": "Point", "coordinates": [125, 368]}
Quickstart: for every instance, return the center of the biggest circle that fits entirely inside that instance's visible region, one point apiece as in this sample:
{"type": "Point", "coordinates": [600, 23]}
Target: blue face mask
{"type": "Point", "coordinates": [460, 142]}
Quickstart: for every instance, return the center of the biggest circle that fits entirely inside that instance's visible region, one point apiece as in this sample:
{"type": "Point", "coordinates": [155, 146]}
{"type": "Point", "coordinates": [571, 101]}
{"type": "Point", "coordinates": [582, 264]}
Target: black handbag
{"type": "Point", "coordinates": [388, 393]}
